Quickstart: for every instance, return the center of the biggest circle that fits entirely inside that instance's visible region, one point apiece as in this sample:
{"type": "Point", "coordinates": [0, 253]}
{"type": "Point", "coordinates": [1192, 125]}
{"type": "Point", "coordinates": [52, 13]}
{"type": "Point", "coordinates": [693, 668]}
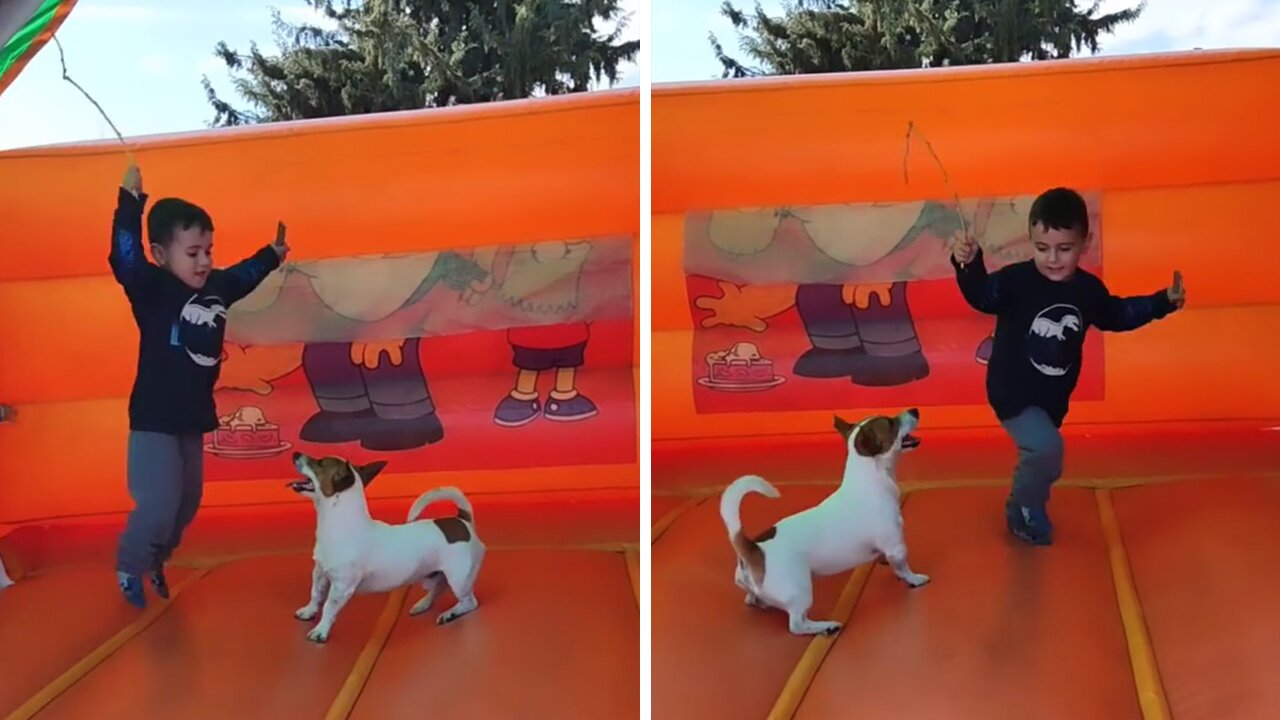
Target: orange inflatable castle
{"type": "Point", "coordinates": [432, 252]}
{"type": "Point", "coordinates": [801, 229]}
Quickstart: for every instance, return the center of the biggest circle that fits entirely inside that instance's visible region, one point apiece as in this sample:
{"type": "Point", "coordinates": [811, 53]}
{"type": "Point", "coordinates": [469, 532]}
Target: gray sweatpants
{"type": "Point", "coordinates": [1039, 456]}
{"type": "Point", "coordinates": [166, 481]}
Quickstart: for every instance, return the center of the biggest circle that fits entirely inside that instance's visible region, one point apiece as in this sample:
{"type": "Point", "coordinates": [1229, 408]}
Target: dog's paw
{"type": "Point", "coordinates": [831, 628]}
{"type": "Point", "coordinates": [753, 601]}
{"type": "Point", "coordinates": [422, 605]}
{"type": "Point", "coordinates": [916, 580]}
{"type": "Point", "coordinates": [447, 617]}
{"type": "Point", "coordinates": [306, 613]}
{"type": "Point", "coordinates": [318, 636]}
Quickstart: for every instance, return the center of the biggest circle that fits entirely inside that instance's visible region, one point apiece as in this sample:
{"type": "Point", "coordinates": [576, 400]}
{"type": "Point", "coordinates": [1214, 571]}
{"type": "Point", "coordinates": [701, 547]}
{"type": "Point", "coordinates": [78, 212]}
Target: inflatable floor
{"type": "Point", "coordinates": [801, 271]}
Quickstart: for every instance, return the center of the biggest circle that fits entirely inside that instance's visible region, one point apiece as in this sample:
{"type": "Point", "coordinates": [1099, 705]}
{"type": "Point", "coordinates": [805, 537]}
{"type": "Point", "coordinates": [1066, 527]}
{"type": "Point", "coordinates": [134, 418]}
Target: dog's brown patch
{"type": "Point", "coordinates": [876, 436]}
{"type": "Point", "coordinates": [767, 534]}
{"type": "Point", "coordinates": [464, 515]}
{"type": "Point", "coordinates": [750, 553]}
{"type": "Point", "coordinates": [454, 528]}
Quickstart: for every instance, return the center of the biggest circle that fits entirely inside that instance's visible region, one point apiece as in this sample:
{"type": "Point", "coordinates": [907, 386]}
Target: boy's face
{"type": "Point", "coordinates": [189, 255]}
{"type": "Point", "coordinates": [1056, 252]}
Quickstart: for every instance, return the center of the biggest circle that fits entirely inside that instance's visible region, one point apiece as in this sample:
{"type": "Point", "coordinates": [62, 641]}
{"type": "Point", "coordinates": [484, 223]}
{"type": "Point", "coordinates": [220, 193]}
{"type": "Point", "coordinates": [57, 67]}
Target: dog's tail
{"type": "Point", "coordinates": [731, 500]}
{"type": "Point", "coordinates": [443, 493]}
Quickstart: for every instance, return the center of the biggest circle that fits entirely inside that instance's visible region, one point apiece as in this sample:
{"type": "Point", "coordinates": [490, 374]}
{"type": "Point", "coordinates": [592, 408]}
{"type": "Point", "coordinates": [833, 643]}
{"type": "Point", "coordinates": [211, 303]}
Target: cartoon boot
{"type": "Point", "coordinates": [832, 331]}
{"type": "Point", "coordinates": [874, 346]}
{"type": "Point", "coordinates": [983, 356]}
{"type": "Point", "coordinates": [891, 348]}
{"type": "Point", "coordinates": [387, 408]}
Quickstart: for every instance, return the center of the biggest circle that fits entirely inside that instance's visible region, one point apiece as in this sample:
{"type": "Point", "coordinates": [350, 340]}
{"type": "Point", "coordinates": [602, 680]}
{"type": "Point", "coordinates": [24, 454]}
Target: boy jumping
{"type": "Point", "coordinates": [180, 306]}
{"type": "Point", "coordinates": [1043, 307]}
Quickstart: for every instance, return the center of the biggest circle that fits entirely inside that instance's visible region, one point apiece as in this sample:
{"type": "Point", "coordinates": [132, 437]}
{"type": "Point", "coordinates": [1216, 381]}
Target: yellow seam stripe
{"type": "Point", "coordinates": [666, 521]}
{"type": "Point", "coordinates": [806, 669]}
{"type": "Point", "coordinates": [76, 672]}
{"type": "Point", "coordinates": [1146, 675]}
{"type": "Point", "coordinates": [363, 667]}
{"type": "Point", "coordinates": [698, 493]}
{"type": "Point", "coordinates": [633, 572]}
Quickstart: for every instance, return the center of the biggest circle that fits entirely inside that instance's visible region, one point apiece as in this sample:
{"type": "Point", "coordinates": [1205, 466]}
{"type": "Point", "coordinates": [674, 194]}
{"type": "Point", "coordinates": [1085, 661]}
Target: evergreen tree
{"type": "Point", "coordinates": [817, 36]}
{"type": "Point", "coordinates": [383, 55]}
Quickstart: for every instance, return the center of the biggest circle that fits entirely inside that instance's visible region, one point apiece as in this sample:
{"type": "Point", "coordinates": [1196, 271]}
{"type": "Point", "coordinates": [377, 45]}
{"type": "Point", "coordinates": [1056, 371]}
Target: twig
{"type": "Point", "coordinates": [62, 57]}
{"type": "Point", "coordinates": [906, 156]}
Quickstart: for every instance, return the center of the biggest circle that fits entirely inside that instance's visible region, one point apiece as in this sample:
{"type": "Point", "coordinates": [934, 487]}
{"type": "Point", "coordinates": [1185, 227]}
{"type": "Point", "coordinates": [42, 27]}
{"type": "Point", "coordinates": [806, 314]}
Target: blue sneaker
{"type": "Point", "coordinates": [160, 584]}
{"type": "Point", "coordinates": [1029, 524]}
{"type": "Point", "coordinates": [131, 586]}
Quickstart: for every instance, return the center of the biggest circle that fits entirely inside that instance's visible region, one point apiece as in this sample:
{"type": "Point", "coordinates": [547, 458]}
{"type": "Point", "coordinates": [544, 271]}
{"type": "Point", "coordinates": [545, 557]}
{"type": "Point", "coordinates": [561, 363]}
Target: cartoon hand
{"type": "Point", "coordinates": [253, 368]}
{"type": "Point", "coordinates": [859, 296]}
{"type": "Point", "coordinates": [476, 289]}
{"type": "Point", "coordinates": [1176, 292]}
{"type": "Point", "coordinates": [370, 354]}
{"type": "Point", "coordinates": [732, 308]}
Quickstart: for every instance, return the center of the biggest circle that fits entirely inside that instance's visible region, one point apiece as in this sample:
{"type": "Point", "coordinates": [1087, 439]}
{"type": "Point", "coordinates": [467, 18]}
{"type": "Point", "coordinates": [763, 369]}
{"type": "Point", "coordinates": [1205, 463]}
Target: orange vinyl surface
{"type": "Point", "coordinates": [557, 630]}
{"type": "Point", "coordinates": [1155, 601]}
{"type": "Point", "coordinates": [351, 190]}
{"type": "Point", "coordinates": [1180, 176]}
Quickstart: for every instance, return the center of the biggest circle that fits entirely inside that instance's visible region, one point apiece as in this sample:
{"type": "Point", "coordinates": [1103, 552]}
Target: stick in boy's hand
{"type": "Point", "coordinates": [132, 180]}
{"type": "Point", "coordinates": [1176, 292]}
{"type": "Point", "coordinates": [964, 249]}
{"type": "Point", "coordinates": [281, 246]}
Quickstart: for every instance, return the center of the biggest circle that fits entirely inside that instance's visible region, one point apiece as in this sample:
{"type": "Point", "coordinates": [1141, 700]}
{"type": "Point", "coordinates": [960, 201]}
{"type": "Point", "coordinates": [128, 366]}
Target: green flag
{"type": "Point", "coordinates": [25, 26]}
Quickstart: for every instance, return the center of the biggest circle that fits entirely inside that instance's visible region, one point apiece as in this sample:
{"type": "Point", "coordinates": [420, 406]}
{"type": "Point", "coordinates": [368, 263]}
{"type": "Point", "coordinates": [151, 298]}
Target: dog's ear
{"type": "Point", "coordinates": [844, 427]}
{"type": "Point", "coordinates": [370, 470]}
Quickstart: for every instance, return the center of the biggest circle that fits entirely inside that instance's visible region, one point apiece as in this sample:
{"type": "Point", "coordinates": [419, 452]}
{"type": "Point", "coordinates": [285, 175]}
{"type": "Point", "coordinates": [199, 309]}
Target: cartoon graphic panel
{"type": "Point", "coordinates": [851, 305]}
{"type": "Point", "coordinates": [480, 359]}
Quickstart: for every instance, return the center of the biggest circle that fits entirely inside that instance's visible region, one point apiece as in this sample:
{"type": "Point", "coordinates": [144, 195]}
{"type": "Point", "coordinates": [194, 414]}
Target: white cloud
{"type": "Point", "coordinates": [1185, 24]}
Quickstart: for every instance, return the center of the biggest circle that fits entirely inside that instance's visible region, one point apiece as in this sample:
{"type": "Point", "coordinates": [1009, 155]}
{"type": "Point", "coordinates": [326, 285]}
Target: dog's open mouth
{"type": "Point", "coordinates": [910, 442]}
{"type": "Point", "coordinates": [301, 486]}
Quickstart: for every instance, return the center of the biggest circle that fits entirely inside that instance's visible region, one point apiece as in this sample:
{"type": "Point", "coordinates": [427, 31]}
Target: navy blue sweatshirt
{"type": "Point", "coordinates": [1040, 327]}
{"type": "Point", "coordinates": [180, 328]}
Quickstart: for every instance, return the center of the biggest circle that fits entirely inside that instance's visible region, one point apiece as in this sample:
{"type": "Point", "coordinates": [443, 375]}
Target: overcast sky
{"type": "Point", "coordinates": [142, 61]}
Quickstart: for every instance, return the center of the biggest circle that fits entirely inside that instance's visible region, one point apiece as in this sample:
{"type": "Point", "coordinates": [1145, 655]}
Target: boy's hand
{"type": "Point", "coordinates": [281, 246]}
{"type": "Point", "coordinates": [132, 180]}
{"type": "Point", "coordinates": [1176, 292]}
{"type": "Point", "coordinates": [964, 249]}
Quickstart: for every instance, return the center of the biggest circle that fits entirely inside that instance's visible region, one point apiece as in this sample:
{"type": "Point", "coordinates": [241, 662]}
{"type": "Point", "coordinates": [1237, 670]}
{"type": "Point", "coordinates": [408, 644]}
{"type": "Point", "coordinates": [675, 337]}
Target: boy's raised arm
{"type": "Point", "coordinates": [1122, 314]}
{"type": "Point", "coordinates": [128, 261]}
{"type": "Point", "coordinates": [245, 276]}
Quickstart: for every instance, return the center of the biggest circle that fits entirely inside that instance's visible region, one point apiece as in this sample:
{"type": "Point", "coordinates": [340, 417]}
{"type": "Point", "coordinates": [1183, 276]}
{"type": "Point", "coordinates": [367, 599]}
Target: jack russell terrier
{"type": "Point", "coordinates": [861, 521]}
{"type": "Point", "coordinates": [355, 553]}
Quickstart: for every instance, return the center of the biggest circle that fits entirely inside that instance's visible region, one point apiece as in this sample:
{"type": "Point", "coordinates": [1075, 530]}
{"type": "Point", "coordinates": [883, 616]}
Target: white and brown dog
{"type": "Point", "coordinates": [356, 553]}
{"type": "Point", "coordinates": [858, 523]}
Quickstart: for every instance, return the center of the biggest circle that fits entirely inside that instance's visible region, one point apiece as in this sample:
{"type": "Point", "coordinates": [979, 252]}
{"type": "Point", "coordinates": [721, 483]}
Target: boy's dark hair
{"type": "Point", "coordinates": [1060, 209]}
{"type": "Point", "coordinates": [169, 214]}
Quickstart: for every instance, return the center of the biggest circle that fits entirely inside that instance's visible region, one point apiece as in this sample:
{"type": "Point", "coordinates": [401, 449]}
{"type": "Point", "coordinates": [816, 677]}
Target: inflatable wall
{"type": "Point", "coordinates": [801, 250]}
{"type": "Point", "coordinates": [460, 300]}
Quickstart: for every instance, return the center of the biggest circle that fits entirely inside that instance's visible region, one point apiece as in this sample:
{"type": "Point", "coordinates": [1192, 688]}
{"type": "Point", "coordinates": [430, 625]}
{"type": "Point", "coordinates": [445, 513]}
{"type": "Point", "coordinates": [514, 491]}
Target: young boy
{"type": "Point", "coordinates": [1043, 307]}
{"type": "Point", "coordinates": [180, 305]}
